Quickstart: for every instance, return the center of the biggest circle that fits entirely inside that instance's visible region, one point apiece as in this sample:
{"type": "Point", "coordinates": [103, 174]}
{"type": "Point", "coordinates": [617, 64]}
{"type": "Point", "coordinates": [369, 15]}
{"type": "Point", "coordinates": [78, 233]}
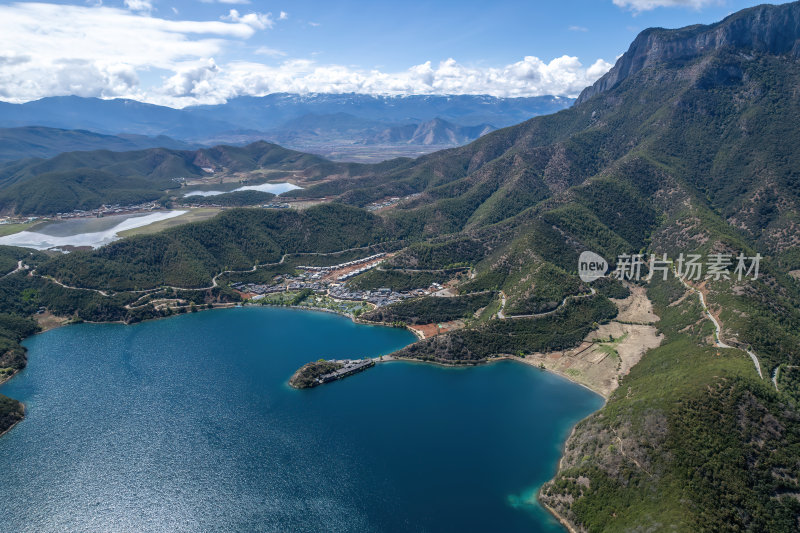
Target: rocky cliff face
{"type": "Point", "coordinates": [765, 29]}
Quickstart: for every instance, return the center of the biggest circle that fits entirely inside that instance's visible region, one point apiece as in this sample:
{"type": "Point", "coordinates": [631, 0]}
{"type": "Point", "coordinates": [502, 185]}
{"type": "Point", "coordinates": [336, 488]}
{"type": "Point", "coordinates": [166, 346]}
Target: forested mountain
{"type": "Point", "coordinates": [715, 122]}
{"type": "Point", "coordinates": [687, 146]}
{"type": "Point", "coordinates": [38, 141]}
{"type": "Point", "coordinates": [86, 180]}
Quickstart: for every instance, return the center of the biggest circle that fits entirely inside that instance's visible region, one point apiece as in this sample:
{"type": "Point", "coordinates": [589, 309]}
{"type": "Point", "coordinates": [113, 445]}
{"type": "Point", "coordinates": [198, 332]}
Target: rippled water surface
{"type": "Point", "coordinates": [187, 424]}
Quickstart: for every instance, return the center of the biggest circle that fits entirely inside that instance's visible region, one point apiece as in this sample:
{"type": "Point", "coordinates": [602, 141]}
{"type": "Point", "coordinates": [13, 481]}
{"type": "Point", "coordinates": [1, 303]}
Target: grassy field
{"type": "Point", "coordinates": [10, 229]}
{"type": "Point", "coordinates": [193, 215]}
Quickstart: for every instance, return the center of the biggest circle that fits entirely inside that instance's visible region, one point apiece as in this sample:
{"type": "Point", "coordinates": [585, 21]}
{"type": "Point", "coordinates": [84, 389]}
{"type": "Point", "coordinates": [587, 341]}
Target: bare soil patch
{"type": "Point", "coordinates": [427, 331]}
{"type": "Point", "coordinates": [636, 308]}
{"type": "Point", "coordinates": [48, 320]}
{"type": "Point", "coordinates": [609, 352]}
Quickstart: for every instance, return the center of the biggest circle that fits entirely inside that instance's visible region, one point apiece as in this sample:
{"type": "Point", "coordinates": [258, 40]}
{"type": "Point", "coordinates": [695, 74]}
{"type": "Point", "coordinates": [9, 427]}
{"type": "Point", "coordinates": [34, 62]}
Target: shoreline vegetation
{"type": "Point", "coordinates": [691, 436]}
{"type": "Point", "coordinates": [442, 362]}
{"type": "Point", "coordinates": [525, 328]}
{"type": "Point", "coordinates": [385, 358]}
{"type": "Point", "coordinates": [12, 412]}
{"type": "Point", "coordinates": [58, 322]}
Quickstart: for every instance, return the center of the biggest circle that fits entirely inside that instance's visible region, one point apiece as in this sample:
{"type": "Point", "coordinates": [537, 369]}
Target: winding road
{"type": "Point", "coordinates": [502, 316]}
{"type": "Point", "coordinates": [20, 266]}
{"type": "Point", "coordinates": [718, 342]}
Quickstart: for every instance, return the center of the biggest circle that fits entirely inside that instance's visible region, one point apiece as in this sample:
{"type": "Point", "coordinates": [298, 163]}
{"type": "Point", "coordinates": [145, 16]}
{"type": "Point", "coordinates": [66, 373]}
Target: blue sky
{"type": "Point", "coordinates": [183, 52]}
{"type": "Point", "coordinates": [396, 35]}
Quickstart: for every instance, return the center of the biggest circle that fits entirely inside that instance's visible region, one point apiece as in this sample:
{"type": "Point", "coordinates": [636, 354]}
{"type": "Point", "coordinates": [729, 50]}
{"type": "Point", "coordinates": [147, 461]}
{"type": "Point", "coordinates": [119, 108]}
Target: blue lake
{"type": "Point", "coordinates": [187, 424]}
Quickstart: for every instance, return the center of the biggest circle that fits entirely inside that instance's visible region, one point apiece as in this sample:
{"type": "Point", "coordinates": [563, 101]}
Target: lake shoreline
{"type": "Point", "coordinates": [380, 359]}
{"type": "Point", "coordinates": [12, 426]}
{"type": "Point", "coordinates": [34, 236]}
{"type": "Point", "coordinates": [420, 336]}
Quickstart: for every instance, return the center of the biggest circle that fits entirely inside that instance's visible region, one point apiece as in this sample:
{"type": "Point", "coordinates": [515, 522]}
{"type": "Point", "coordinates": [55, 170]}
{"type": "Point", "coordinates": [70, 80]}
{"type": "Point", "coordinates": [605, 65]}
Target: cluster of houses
{"type": "Point", "coordinates": [356, 272]}
{"type": "Point", "coordinates": [114, 209]}
{"type": "Point", "coordinates": [389, 202]}
{"type": "Point", "coordinates": [187, 202]}
{"type": "Point", "coordinates": [377, 297]}
{"type": "Point", "coordinates": [340, 266]}
{"type": "Point", "coordinates": [350, 367]}
{"type": "Point", "coordinates": [340, 291]}
{"type": "Point", "coordinates": [311, 278]}
{"type": "Point", "coordinates": [17, 220]}
{"type": "Point", "coordinates": [385, 203]}
{"type": "Point", "coordinates": [317, 272]}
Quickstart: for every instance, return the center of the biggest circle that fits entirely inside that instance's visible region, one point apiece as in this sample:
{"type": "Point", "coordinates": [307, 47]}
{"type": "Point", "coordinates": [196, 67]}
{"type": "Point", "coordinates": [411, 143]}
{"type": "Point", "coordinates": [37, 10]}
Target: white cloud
{"type": "Point", "coordinates": [271, 52]}
{"type": "Point", "coordinates": [578, 28]}
{"type": "Point", "coordinates": [46, 56]}
{"type": "Point", "coordinates": [111, 52]}
{"type": "Point", "coordinates": [142, 6]}
{"type": "Point", "coordinates": [646, 5]}
{"type": "Point", "coordinates": [283, 16]}
{"type": "Point", "coordinates": [192, 80]}
{"type": "Point", "coordinates": [529, 77]}
{"type": "Point", "coordinates": [257, 21]}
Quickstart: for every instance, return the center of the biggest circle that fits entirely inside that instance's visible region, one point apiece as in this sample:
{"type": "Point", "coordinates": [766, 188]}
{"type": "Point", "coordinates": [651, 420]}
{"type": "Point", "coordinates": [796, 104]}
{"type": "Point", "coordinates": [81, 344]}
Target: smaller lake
{"type": "Point", "coordinates": [274, 188]}
{"type": "Point", "coordinates": [94, 232]}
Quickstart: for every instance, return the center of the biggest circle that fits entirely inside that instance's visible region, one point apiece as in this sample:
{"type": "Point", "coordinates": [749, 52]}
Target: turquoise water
{"type": "Point", "coordinates": [187, 424]}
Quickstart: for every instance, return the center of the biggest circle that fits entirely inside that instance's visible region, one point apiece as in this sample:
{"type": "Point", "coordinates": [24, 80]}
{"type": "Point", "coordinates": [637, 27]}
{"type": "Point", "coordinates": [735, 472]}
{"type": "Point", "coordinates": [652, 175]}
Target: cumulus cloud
{"type": "Point", "coordinates": [112, 52]}
{"type": "Point", "coordinates": [101, 51]}
{"type": "Point", "coordinates": [142, 6]}
{"type": "Point", "coordinates": [646, 5]}
{"type": "Point", "coordinates": [192, 80]}
{"type": "Point", "coordinates": [528, 77]}
{"type": "Point", "coordinates": [258, 21]}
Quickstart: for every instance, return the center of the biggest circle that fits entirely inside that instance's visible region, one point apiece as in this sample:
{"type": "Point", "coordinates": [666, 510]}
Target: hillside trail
{"type": "Point", "coordinates": [718, 342]}
{"type": "Point", "coordinates": [502, 316]}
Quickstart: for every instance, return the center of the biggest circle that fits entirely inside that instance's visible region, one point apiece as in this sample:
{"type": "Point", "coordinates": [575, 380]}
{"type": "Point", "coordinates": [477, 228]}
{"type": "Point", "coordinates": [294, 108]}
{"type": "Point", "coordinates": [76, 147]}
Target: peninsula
{"type": "Point", "coordinates": [322, 371]}
{"type": "Point", "coordinates": [687, 147]}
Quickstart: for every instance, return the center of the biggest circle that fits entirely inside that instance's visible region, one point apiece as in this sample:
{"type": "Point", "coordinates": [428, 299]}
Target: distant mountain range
{"type": "Point", "coordinates": [320, 123]}
{"type": "Point", "coordinates": [39, 141]}
{"type": "Point", "coordinates": [310, 130]}
{"type": "Point", "coordinates": [433, 132]}
{"type": "Point", "coordinates": [274, 110]}
{"type": "Point", "coordinates": [687, 147]}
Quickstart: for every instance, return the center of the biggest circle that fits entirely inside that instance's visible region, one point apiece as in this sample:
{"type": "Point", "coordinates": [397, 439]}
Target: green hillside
{"type": "Point", "coordinates": [684, 147]}
{"type": "Point", "coordinates": [87, 180]}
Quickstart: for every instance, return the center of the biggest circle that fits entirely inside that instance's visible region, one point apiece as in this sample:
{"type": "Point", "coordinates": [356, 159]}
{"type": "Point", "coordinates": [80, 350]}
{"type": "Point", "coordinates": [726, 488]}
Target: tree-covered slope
{"type": "Point", "coordinates": [687, 146]}
{"type": "Point", "coordinates": [86, 180]}
{"type": "Point", "coordinates": [190, 256]}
